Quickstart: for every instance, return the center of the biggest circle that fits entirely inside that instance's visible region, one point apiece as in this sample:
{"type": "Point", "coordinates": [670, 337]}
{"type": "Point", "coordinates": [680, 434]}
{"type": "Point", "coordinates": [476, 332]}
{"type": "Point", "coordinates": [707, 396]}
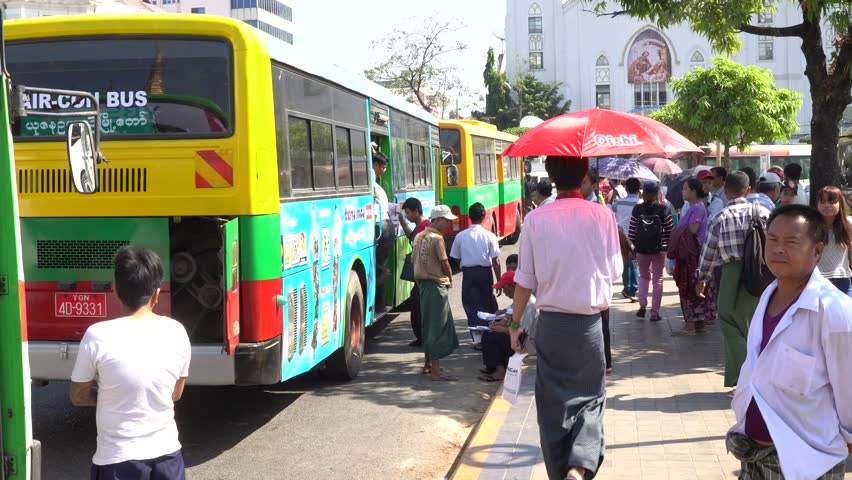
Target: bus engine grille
{"type": "Point", "coordinates": [303, 318]}
{"type": "Point", "coordinates": [58, 180]}
{"type": "Point", "coordinates": [74, 254]}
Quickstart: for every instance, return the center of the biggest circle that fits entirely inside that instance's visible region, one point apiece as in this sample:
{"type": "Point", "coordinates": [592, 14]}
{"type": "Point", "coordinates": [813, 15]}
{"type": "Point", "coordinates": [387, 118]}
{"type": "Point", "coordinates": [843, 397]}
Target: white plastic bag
{"type": "Point", "coordinates": [512, 382]}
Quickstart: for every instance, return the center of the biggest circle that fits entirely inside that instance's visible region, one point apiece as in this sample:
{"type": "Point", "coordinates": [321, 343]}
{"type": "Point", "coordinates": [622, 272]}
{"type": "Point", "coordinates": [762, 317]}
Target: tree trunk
{"type": "Point", "coordinates": [726, 158]}
{"type": "Point", "coordinates": [830, 94]}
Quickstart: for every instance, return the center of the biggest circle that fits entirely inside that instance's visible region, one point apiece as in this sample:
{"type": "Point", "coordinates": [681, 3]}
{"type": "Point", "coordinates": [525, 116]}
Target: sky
{"type": "Point", "coordinates": [342, 32]}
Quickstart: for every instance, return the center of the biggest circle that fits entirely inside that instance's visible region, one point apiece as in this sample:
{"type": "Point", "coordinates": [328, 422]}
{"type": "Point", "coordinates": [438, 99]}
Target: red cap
{"type": "Point", "coordinates": [508, 278]}
{"type": "Point", "coordinates": [704, 174]}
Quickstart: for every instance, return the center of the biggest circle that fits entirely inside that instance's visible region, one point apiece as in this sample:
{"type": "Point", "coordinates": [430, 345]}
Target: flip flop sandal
{"type": "Point", "coordinates": [486, 371]}
{"type": "Point", "coordinates": [489, 378]}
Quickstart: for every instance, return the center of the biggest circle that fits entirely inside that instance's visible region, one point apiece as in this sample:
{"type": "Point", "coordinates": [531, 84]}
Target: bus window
{"type": "Point", "coordinates": [360, 168]}
{"type": "Point", "coordinates": [300, 153]}
{"type": "Point", "coordinates": [451, 146]}
{"type": "Point", "coordinates": [344, 158]}
{"type": "Point", "coordinates": [146, 86]}
{"type": "Point", "coordinates": [322, 153]}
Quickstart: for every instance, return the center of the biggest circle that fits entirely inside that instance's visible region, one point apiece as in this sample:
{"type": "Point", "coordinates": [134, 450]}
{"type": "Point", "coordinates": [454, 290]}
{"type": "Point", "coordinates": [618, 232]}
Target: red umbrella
{"type": "Point", "coordinates": [599, 132]}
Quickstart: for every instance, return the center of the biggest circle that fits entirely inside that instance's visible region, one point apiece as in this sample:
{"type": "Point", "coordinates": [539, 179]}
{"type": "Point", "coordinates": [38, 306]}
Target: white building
{"type": "Point", "coordinates": [624, 63]}
{"type": "Point", "coordinates": [274, 17]}
{"type": "Point", "coordinates": [43, 8]}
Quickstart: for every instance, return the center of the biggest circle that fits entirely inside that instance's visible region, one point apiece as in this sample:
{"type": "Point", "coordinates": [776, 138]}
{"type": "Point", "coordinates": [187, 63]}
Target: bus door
{"type": "Point", "coordinates": [230, 258]}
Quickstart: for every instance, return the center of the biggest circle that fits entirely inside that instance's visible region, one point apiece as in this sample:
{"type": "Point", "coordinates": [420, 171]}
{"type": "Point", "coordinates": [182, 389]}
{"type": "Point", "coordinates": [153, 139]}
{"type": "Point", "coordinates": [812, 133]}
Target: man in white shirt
{"type": "Point", "coordinates": [133, 369]}
{"type": "Point", "coordinates": [478, 253]}
{"type": "Point", "coordinates": [543, 193]}
{"type": "Point", "coordinates": [385, 233]}
{"type": "Point", "coordinates": [623, 208]}
{"type": "Point", "coordinates": [793, 174]}
{"type": "Point", "coordinates": [794, 399]}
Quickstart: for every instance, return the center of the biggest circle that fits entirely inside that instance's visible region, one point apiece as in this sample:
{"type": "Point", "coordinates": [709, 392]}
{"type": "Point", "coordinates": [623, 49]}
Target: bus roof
{"type": "Point", "coordinates": [176, 23]}
{"type": "Point", "coordinates": [482, 129]}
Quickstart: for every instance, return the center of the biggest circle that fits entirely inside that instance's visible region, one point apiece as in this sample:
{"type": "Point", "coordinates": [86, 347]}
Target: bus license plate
{"type": "Point", "coordinates": [93, 305]}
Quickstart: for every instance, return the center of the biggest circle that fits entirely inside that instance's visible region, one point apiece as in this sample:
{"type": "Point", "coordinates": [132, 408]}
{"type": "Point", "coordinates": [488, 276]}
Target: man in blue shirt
{"type": "Point", "coordinates": [768, 190]}
{"type": "Point", "coordinates": [718, 201]}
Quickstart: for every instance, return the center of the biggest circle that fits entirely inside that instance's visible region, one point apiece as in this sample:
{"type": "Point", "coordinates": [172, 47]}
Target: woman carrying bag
{"type": "Point", "coordinates": [685, 248]}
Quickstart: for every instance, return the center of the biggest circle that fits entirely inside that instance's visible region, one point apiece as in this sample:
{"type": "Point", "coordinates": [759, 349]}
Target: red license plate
{"type": "Point", "coordinates": [92, 305]}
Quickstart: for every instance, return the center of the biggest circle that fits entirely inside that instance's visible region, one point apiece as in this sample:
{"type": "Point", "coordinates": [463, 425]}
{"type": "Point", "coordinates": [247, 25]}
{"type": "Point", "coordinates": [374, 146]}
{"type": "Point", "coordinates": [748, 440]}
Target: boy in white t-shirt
{"type": "Point", "coordinates": [133, 369]}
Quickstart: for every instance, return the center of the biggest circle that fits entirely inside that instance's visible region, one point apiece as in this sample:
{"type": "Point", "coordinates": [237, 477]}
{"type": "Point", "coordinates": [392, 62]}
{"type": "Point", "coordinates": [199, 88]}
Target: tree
{"type": "Point", "coordinates": [828, 67]}
{"type": "Point", "coordinates": [517, 131]}
{"type": "Point", "coordinates": [413, 64]}
{"type": "Point", "coordinates": [540, 99]}
{"type": "Point", "coordinates": [499, 108]}
{"type": "Point", "coordinates": [732, 104]}
{"type": "Point", "coordinates": [506, 104]}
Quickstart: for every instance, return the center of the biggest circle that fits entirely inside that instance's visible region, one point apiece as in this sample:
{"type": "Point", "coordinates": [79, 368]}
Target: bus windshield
{"type": "Point", "coordinates": [451, 146]}
{"type": "Point", "coordinates": [176, 87]}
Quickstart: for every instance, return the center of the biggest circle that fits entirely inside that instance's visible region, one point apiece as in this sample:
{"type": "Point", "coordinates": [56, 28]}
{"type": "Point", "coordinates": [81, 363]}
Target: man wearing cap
{"type": "Point", "coordinates": [650, 229]}
{"type": "Point", "coordinates": [768, 190]}
{"type": "Point", "coordinates": [573, 275]}
{"type": "Point", "coordinates": [434, 277]}
{"type": "Point", "coordinates": [725, 246]}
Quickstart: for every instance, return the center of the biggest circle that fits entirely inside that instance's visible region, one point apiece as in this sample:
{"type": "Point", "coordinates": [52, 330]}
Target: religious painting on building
{"type": "Point", "coordinates": [649, 59]}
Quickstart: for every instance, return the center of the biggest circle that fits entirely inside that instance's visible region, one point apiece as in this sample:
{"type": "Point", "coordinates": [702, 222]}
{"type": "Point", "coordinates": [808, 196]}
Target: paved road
{"type": "Point", "coordinates": [390, 423]}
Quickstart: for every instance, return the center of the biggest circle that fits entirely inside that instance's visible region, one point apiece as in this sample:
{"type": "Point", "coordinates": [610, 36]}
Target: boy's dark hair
{"type": "Point", "coordinates": [138, 274]}
{"type": "Point", "coordinates": [566, 172]}
{"type": "Point", "coordinates": [413, 204]}
{"type": "Point", "coordinates": [544, 188]}
{"type": "Point", "coordinates": [736, 182]}
{"type": "Point", "coordinates": [793, 171]}
{"type": "Point", "coordinates": [696, 186]}
{"type": "Point", "coordinates": [633, 185]}
{"type": "Point", "coordinates": [817, 228]}
{"type": "Point", "coordinates": [476, 212]}
{"type": "Point", "coordinates": [380, 158]}
{"type": "Point", "coordinates": [752, 177]}
{"type": "Point", "coordinates": [513, 258]}
{"type": "Point", "coordinates": [594, 178]}
{"type": "Point", "coordinates": [720, 172]}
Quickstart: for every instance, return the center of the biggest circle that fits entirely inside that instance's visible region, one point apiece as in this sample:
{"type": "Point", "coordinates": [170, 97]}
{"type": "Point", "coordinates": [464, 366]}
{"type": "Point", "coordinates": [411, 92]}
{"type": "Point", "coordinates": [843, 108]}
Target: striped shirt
{"type": "Point", "coordinates": [834, 262]}
{"type": "Point", "coordinates": [727, 235]}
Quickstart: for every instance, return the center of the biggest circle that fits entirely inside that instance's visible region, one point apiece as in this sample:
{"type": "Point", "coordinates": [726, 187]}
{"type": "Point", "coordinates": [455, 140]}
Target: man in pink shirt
{"type": "Point", "coordinates": [574, 284]}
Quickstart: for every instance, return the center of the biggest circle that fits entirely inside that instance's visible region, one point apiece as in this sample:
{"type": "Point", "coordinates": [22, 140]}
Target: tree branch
{"type": "Point", "coordinates": [608, 14]}
{"type": "Point", "coordinates": [791, 31]}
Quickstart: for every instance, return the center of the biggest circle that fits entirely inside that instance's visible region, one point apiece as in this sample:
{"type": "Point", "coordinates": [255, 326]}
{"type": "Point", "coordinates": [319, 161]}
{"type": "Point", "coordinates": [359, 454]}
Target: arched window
{"type": "Point", "coordinates": [536, 43]}
{"type": "Point", "coordinates": [535, 10]}
{"type": "Point", "coordinates": [696, 57]}
{"type": "Point", "coordinates": [602, 61]}
{"type": "Point", "coordinates": [534, 19]}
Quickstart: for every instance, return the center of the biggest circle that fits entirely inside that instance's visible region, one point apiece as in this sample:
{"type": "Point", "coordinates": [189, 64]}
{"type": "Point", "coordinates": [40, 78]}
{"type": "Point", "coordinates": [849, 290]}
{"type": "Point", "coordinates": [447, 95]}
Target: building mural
{"type": "Point", "coordinates": [649, 59]}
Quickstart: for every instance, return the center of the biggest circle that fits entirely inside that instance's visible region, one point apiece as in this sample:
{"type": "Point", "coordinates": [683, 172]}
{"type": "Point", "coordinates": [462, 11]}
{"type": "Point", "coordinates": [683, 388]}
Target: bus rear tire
{"type": "Point", "coordinates": [516, 235]}
{"type": "Point", "coordinates": [345, 363]}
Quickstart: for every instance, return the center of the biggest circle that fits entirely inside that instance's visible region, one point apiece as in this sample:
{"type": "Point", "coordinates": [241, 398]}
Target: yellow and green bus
{"type": "Point", "coordinates": [244, 162]}
{"type": "Point", "coordinates": [473, 169]}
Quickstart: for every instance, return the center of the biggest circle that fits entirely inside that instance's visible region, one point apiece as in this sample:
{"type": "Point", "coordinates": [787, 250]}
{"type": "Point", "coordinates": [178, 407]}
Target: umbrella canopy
{"type": "Point", "coordinates": [661, 165]}
{"type": "Point", "coordinates": [674, 194]}
{"type": "Point", "coordinates": [623, 168]}
{"type": "Point", "coordinates": [599, 133]}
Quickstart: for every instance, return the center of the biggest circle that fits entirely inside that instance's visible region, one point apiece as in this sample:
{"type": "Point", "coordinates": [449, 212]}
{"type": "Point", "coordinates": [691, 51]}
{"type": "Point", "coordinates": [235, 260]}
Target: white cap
{"type": "Point", "coordinates": [442, 211]}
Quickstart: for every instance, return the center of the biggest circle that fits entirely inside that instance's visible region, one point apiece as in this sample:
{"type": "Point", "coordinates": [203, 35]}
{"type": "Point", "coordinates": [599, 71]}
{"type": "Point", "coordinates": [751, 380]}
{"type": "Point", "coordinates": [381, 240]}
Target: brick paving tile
{"type": "Point", "coordinates": [666, 412]}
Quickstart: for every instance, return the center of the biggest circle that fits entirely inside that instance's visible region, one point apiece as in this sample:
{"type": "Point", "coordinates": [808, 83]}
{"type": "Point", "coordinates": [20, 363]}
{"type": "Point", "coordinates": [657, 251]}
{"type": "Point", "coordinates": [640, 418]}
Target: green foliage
{"type": "Point", "coordinates": [537, 98]}
{"type": "Point", "coordinates": [413, 65]}
{"type": "Point", "coordinates": [541, 99]}
{"type": "Point", "coordinates": [805, 139]}
{"type": "Point", "coordinates": [517, 131]}
{"type": "Point", "coordinates": [732, 104]}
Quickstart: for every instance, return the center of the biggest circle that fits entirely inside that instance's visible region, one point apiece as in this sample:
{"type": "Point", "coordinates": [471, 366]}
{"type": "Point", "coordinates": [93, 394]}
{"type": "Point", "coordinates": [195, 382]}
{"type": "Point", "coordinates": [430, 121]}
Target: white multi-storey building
{"type": "Point", "coordinates": [624, 63]}
{"type": "Point", "coordinates": [42, 8]}
{"type": "Point", "coordinates": [274, 17]}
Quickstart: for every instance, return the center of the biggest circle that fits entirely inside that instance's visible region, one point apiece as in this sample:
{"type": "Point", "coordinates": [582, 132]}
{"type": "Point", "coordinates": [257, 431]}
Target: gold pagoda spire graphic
{"type": "Point", "coordinates": [154, 85]}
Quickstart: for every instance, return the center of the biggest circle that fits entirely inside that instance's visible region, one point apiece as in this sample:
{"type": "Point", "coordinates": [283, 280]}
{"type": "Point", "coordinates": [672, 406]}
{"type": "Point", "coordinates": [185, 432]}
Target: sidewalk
{"type": "Point", "coordinates": [666, 412]}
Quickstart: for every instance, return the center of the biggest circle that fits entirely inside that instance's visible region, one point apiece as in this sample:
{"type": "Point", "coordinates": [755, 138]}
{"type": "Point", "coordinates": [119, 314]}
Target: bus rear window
{"type": "Point", "coordinates": [450, 146]}
{"type": "Point", "coordinates": [175, 87]}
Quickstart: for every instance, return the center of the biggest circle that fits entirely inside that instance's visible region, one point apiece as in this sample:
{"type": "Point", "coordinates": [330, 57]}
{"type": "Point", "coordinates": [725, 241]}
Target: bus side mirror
{"type": "Point", "coordinates": [82, 157]}
{"type": "Point", "coordinates": [452, 175]}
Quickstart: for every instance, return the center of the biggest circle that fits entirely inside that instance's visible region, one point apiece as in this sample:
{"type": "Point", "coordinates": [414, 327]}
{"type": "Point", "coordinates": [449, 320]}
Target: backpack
{"type": "Point", "coordinates": [649, 233]}
{"type": "Point", "coordinates": [756, 275]}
